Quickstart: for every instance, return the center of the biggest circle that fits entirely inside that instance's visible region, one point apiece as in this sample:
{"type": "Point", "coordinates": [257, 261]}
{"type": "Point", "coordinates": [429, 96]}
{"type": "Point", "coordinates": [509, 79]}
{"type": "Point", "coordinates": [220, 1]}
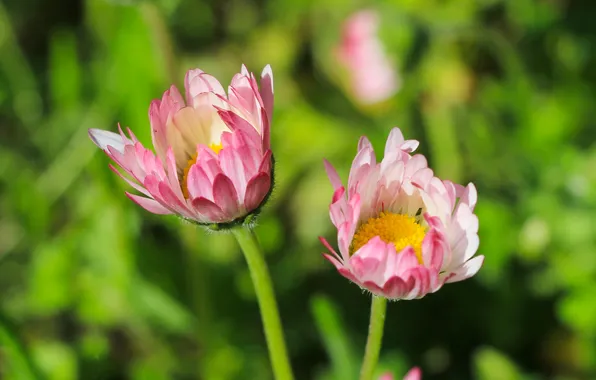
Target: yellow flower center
{"type": "Point", "coordinates": [184, 182]}
{"type": "Point", "coordinates": [401, 230]}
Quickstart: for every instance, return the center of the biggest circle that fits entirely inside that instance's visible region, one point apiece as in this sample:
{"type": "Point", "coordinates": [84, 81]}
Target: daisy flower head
{"type": "Point", "coordinates": [373, 76]}
{"type": "Point", "coordinates": [212, 162]}
{"type": "Point", "coordinates": [402, 232]}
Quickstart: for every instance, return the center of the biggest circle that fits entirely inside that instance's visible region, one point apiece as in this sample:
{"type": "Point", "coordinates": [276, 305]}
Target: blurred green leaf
{"type": "Point", "coordinates": [16, 359]}
{"type": "Point", "coordinates": [57, 360]}
{"type": "Point", "coordinates": [65, 71]}
{"type": "Point", "coordinates": [337, 343]}
{"type": "Point", "coordinates": [491, 364]}
{"type": "Point", "coordinates": [154, 305]}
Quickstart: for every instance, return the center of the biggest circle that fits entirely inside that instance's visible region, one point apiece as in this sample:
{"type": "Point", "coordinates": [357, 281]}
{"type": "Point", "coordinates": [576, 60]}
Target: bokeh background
{"type": "Point", "coordinates": [499, 92]}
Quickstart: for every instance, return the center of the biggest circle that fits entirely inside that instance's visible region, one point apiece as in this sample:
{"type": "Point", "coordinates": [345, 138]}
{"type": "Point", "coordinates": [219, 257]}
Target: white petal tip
{"type": "Point", "coordinates": [104, 139]}
{"type": "Point", "coordinates": [267, 70]}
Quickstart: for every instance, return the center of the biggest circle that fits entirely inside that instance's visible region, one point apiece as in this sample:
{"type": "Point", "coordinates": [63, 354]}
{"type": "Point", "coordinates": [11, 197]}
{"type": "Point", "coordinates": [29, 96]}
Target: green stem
{"type": "Point", "coordinates": [19, 361]}
{"type": "Point", "coordinates": [269, 313]}
{"type": "Point", "coordinates": [375, 337]}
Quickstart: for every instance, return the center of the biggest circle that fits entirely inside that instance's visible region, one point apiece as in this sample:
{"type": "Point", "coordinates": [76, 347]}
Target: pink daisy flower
{"type": "Point", "coordinates": [212, 160]}
{"type": "Point", "coordinates": [402, 232]}
{"type": "Point", "coordinates": [414, 374]}
{"type": "Point", "coordinates": [372, 75]}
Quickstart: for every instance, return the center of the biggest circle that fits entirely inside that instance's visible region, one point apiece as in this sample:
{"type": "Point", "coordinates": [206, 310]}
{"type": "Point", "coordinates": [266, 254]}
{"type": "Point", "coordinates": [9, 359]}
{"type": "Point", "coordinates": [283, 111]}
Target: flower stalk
{"type": "Point", "coordinates": [267, 304]}
{"type": "Point", "coordinates": [378, 310]}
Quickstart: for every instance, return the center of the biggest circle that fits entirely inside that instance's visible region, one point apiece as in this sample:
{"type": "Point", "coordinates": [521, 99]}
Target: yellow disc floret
{"type": "Point", "coordinates": [215, 147]}
{"type": "Point", "coordinates": [183, 183]}
{"type": "Point", "coordinates": [401, 230]}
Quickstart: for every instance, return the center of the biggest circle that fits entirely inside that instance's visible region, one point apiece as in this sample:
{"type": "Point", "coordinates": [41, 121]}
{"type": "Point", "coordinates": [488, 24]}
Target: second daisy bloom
{"type": "Point", "coordinates": [402, 232]}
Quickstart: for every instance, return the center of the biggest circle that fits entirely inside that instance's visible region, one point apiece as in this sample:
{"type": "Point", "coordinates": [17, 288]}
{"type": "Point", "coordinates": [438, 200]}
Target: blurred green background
{"type": "Point", "coordinates": [499, 92]}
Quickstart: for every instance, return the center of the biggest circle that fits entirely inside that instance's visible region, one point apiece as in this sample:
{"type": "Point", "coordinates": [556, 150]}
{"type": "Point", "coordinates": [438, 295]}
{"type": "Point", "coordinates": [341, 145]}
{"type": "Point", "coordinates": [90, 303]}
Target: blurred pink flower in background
{"type": "Point", "coordinates": [402, 232]}
{"type": "Point", "coordinates": [414, 374]}
{"type": "Point", "coordinates": [373, 76]}
{"type": "Point", "coordinates": [212, 161]}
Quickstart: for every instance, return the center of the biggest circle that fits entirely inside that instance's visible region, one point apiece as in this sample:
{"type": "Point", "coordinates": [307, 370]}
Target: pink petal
{"type": "Point", "coordinates": [132, 135]}
{"type": "Point", "coordinates": [173, 99]}
{"type": "Point", "coordinates": [433, 221]}
{"type": "Point", "coordinates": [136, 186]}
{"type": "Point", "coordinates": [394, 141]}
{"type": "Point", "coordinates": [392, 172]}
{"type": "Point", "coordinates": [419, 282]}
{"type": "Point", "coordinates": [265, 165]}
{"type": "Point", "coordinates": [469, 196]}
{"type": "Point", "coordinates": [367, 269]}
{"type": "Point", "coordinates": [173, 180]}
{"type": "Point", "coordinates": [172, 201]}
{"type": "Point", "coordinates": [243, 146]}
{"type": "Point", "coordinates": [463, 234]}
{"type": "Point", "coordinates": [414, 374]}
{"type": "Point", "coordinates": [148, 204]}
{"type": "Point", "coordinates": [197, 82]}
{"type": "Point", "coordinates": [232, 166]}
{"type": "Point", "coordinates": [225, 196]}
{"type": "Point", "coordinates": [333, 176]}
{"type": "Point", "coordinates": [409, 146]}
{"type": "Point", "coordinates": [406, 260]}
{"type": "Point", "coordinates": [365, 156]}
{"type": "Point", "coordinates": [434, 249]}
{"type": "Point", "coordinates": [198, 183]}
{"type": "Point", "coordinates": [395, 288]}
{"type": "Point", "coordinates": [209, 162]}
{"type": "Point", "coordinates": [376, 250]}
{"type": "Point", "coordinates": [235, 121]}
{"type": "Point", "coordinates": [364, 143]}
{"type": "Point", "coordinates": [211, 212]}
{"type": "Point", "coordinates": [422, 177]}
{"type": "Point", "coordinates": [364, 160]}
{"type": "Point", "coordinates": [242, 96]}
{"type": "Point", "coordinates": [417, 162]}
{"type": "Point", "coordinates": [466, 247]}
{"type": "Point", "coordinates": [207, 101]}
{"type": "Point", "coordinates": [158, 128]}
{"type": "Point", "coordinates": [266, 130]}
{"type": "Point", "coordinates": [467, 270]}
{"type": "Point", "coordinates": [151, 183]}
{"type": "Point", "coordinates": [345, 234]}
{"type": "Point", "coordinates": [350, 276]}
{"type": "Point", "coordinates": [371, 286]}
{"type": "Point", "coordinates": [338, 195]}
{"type": "Point", "coordinates": [451, 193]}
{"type": "Point", "coordinates": [267, 91]}
{"type": "Point", "coordinates": [329, 247]}
{"type": "Point", "coordinates": [256, 190]}
{"type": "Point", "coordinates": [133, 161]}
{"type": "Point", "coordinates": [333, 261]}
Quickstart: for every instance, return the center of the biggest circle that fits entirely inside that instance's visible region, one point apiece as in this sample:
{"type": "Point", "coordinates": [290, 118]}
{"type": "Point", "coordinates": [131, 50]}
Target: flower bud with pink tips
{"type": "Point", "coordinates": [212, 163]}
{"type": "Point", "coordinates": [413, 374]}
{"type": "Point", "coordinates": [402, 232]}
